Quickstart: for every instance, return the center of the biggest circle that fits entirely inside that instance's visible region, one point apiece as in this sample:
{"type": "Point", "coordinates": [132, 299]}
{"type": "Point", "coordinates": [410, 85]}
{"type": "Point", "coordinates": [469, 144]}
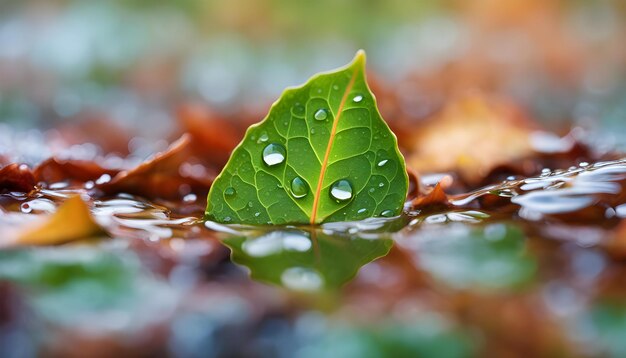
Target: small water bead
{"type": "Point", "coordinates": [386, 213]}
{"type": "Point", "coordinates": [298, 109]}
{"type": "Point", "coordinates": [227, 219]}
{"type": "Point", "coordinates": [230, 191]}
{"type": "Point", "coordinates": [250, 204]}
{"type": "Point", "coordinates": [274, 154]}
{"type": "Point", "coordinates": [382, 162]}
{"type": "Point", "coordinates": [190, 198]}
{"type": "Point", "coordinates": [263, 138]}
{"type": "Point", "coordinates": [335, 87]}
{"type": "Point", "coordinates": [361, 211]}
{"type": "Point", "coordinates": [341, 190]}
{"type": "Point", "coordinates": [299, 188]}
{"type": "Point", "coordinates": [381, 184]}
{"type": "Point", "coordinates": [321, 114]}
{"type": "Point", "coordinates": [357, 98]}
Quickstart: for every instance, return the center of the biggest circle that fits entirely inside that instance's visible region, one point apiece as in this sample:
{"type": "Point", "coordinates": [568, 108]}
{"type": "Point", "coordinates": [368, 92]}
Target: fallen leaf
{"type": "Point", "coordinates": [435, 198]}
{"type": "Point", "coordinates": [72, 221]}
{"type": "Point", "coordinates": [212, 137]}
{"type": "Point", "coordinates": [471, 135]}
{"type": "Point", "coordinates": [54, 170]}
{"type": "Point", "coordinates": [169, 175]}
{"type": "Point", "coordinates": [16, 177]}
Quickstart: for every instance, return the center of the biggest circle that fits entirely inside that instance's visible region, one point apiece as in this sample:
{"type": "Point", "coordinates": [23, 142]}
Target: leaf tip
{"type": "Point", "coordinates": [359, 59]}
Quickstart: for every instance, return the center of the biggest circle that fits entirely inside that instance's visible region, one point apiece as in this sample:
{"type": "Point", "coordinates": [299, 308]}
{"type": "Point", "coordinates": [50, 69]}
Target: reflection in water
{"type": "Point", "coordinates": [460, 256]}
{"type": "Point", "coordinates": [305, 260]}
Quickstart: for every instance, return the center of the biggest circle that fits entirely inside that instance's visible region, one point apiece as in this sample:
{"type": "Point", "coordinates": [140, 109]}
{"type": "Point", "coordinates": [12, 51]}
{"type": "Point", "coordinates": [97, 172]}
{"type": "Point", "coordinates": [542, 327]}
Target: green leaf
{"type": "Point", "coordinates": [305, 261]}
{"type": "Point", "coordinates": [322, 154]}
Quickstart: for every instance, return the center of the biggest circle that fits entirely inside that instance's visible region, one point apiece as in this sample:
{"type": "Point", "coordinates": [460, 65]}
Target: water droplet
{"type": "Point", "coordinates": [250, 204]}
{"type": "Point", "coordinates": [381, 184]}
{"type": "Point", "coordinates": [257, 214]}
{"type": "Point", "coordinates": [190, 198]}
{"type": "Point", "coordinates": [230, 191]}
{"type": "Point", "coordinates": [361, 211]}
{"type": "Point", "coordinates": [321, 114]}
{"type": "Point", "coordinates": [335, 87]}
{"type": "Point", "coordinates": [299, 188]}
{"type": "Point", "coordinates": [104, 178]}
{"type": "Point", "coordinates": [274, 154]}
{"type": "Point", "coordinates": [25, 208]}
{"type": "Point", "coordinates": [382, 162]}
{"type": "Point", "coordinates": [358, 98]}
{"type": "Point", "coordinates": [341, 190]}
{"type": "Point", "coordinates": [387, 213]}
{"type": "Point", "coordinates": [298, 109]}
{"type": "Point", "coordinates": [263, 138]}
{"type": "Point", "coordinates": [372, 190]}
{"type": "Point", "coordinates": [312, 130]}
{"type": "Point", "coordinates": [227, 219]}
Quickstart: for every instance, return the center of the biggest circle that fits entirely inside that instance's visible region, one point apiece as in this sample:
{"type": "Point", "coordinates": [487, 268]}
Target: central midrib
{"type": "Point", "coordinates": [318, 190]}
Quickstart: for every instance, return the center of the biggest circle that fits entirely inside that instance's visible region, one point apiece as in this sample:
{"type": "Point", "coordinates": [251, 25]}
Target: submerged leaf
{"type": "Point", "coordinates": [322, 154]}
{"type": "Point", "coordinates": [72, 221]}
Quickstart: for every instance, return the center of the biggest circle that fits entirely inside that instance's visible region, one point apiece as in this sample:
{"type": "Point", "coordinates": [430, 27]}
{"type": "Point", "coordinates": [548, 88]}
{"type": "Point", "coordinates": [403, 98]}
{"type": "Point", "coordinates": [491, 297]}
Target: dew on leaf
{"type": "Point", "coordinates": [274, 154]}
{"type": "Point", "coordinates": [230, 191]}
{"type": "Point", "coordinates": [382, 162]}
{"type": "Point", "coordinates": [357, 98]}
{"type": "Point", "coordinates": [341, 190]}
{"type": "Point", "coordinates": [387, 213]}
{"type": "Point", "coordinates": [321, 114]}
{"type": "Point", "coordinates": [299, 188]}
{"type": "Point", "coordinates": [361, 211]}
{"type": "Point", "coordinates": [263, 138]}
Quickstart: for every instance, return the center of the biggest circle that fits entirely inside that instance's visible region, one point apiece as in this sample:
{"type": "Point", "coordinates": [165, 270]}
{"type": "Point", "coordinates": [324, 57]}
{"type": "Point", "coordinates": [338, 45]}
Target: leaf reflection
{"type": "Point", "coordinates": [305, 260]}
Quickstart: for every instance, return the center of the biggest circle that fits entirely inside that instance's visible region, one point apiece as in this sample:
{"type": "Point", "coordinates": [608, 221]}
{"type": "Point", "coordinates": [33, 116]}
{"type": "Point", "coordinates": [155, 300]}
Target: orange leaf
{"type": "Point", "coordinates": [471, 135]}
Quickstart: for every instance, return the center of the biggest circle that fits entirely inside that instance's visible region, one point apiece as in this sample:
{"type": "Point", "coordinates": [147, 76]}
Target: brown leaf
{"type": "Point", "coordinates": [16, 177]}
{"type": "Point", "coordinates": [169, 175]}
{"type": "Point", "coordinates": [211, 136]}
{"type": "Point", "coordinates": [72, 221]}
{"type": "Point", "coordinates": [414, 184]}
{"type": "Point", "coordinates": [471, 135]}
{"type": "Point", "coordinates": [54, 170]}
{"type": "Point", "coordinates": [435, 198]}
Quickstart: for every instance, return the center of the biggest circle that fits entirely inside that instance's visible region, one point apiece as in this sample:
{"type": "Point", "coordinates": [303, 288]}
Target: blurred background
{"type": "Point", "coordinates": [134, 62]}
{"type": "Point", "coordinates": [109, 83]}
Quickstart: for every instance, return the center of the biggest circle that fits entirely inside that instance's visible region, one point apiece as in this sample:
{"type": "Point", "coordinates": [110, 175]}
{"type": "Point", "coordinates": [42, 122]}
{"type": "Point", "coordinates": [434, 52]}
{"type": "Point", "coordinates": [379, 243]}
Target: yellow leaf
{"type": "Point", "coordinates": [72, 221]}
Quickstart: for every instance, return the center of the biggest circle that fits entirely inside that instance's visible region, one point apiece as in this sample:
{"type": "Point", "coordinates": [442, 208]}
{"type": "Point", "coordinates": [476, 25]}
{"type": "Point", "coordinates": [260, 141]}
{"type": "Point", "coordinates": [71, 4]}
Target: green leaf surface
{"type": "Point", "coordinates": [322, 154]}
{"type": "Point", "coordinates": [305, 261]}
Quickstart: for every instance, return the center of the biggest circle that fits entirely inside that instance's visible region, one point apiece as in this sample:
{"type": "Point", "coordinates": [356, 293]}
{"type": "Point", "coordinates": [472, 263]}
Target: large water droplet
{"type": "Point", "coordinates": [230, 191]}
{"type": "Point", "coordinates": [341, 190]}
{"type": "Point", "coordinates": [321, 114]}
{"type": "Point", "coordinates": [358, 98]}
{"type": "Point", "coordinates": [274, 154]}
{"type": "Point", "coordinates": [382, 162]}
{"type": "Point", "coordinates": [299, 188]}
